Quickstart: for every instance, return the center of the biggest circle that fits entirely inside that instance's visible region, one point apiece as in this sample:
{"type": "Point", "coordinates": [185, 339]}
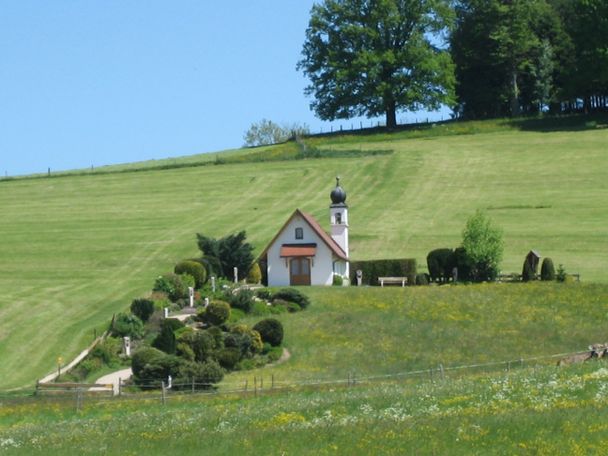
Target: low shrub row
{"type": "Point", "coordinates": [372, 269]}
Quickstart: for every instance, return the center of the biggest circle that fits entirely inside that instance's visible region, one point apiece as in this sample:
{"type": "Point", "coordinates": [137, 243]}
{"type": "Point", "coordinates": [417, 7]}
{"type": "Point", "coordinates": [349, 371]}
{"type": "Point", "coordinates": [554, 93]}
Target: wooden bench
{"type": "Point", "coordinates": [389, 280]}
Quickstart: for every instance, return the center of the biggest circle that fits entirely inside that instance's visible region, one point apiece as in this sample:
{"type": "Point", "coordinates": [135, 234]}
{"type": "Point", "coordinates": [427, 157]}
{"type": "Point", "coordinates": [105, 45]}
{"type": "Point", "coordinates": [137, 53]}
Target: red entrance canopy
{"type": "Point", "coordinates": [298, 250]}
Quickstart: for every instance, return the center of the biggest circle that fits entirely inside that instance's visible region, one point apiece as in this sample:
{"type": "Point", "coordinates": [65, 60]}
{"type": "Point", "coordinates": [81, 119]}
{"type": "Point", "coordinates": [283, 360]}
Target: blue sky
{"type": "Point", "coordinates": [100, 82]}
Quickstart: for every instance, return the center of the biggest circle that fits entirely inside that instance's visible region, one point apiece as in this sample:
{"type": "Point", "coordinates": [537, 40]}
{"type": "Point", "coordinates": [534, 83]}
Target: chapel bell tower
{"type": "Point", "coordinates": [338, 212]}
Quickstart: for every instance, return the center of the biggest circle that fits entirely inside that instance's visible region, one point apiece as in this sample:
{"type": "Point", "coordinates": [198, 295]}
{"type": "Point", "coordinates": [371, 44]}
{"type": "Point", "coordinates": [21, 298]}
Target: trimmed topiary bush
{"type": "Point", "coordinates": [255, 274]}
{"type": "Point", "coordinates": [462, 263]}
{"type": "Point", "coordinates": [547, 270]}
{"type": "Point", "coordinates": [216, 313]}
{"type": "Point", "coordinates": [228, 357]}
{"type": "Point", "coordinates": [193, 268]}
{"type": "Point", "coordinates": [271, 331]}
{"type": "Point", "coordinates": [204, 374]}
{"type": "Point", "coordinates": [373, 269]}
{"type": "Point", "coordinates": [337, 280]}
{"type": "Point", "coordinates": [527, 273]}
{"type": "Point", "coordinates": [173, 323]}
{"type": "Point", "coordinates": [440, 263]}
{"type": "Point", "coordinates": [292, 295]}
{"type": "Point", "coordinates": [151, 366]}
{"type": "Point", "coordinates": [142, 308]}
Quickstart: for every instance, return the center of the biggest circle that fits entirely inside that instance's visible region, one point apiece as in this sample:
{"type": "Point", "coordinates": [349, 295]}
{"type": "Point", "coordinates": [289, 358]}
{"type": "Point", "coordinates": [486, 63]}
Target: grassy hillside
{"type": "Point", "coordinates": [76, 249]}
{"type": "Point", "coordinates": [383, 331]}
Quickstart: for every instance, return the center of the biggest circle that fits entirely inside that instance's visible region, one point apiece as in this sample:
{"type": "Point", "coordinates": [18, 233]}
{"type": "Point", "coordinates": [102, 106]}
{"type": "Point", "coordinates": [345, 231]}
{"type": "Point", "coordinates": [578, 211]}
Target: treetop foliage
{"type": "Point", "coordinates": [372, 57]}
{"type": "Point", "coordinates": [266, 132]}
{"type": "Point", "coordinates": [483, 244]}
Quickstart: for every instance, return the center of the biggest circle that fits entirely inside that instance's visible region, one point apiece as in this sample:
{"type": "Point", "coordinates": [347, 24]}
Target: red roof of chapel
{"type": "Point", "coordinates": [312, 222]}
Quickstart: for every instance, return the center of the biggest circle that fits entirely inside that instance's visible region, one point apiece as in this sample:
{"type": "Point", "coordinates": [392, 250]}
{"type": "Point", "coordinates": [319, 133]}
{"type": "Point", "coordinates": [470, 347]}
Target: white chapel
{"type": "Point", "coordinates": [302, 253]}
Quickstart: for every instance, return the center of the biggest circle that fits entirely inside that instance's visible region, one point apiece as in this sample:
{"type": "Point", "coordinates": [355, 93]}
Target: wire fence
{"type": "Point", "coordinates": [258, 384]}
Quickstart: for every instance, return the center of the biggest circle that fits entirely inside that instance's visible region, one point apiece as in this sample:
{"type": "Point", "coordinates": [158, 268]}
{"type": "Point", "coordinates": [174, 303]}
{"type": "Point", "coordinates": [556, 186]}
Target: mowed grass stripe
{"type": "Point", "coordinates": [82, 247]}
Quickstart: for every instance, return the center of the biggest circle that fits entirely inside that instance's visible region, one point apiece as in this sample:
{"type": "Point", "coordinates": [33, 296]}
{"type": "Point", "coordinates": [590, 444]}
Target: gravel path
{"type": "Point", "coordinates": [113, 378]}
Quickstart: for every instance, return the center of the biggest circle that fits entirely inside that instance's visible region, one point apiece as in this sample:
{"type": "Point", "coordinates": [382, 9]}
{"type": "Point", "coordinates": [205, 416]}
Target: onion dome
{"type": "Point", "coordinates": [338, 195]}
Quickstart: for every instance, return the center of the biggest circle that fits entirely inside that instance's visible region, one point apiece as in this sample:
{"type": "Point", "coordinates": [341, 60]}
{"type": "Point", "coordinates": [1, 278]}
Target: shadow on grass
{"type": "Point", "coordinates": [573, 122]}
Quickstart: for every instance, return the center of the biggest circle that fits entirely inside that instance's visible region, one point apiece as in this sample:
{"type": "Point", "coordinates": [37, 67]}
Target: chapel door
{"type": "Point", "coordinates": [299, 271]}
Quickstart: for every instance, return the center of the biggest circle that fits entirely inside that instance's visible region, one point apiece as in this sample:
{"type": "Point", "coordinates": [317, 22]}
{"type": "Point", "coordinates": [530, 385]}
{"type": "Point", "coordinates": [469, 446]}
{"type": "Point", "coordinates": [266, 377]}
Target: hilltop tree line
{"type": "Point", "coordinates": [483, 58]}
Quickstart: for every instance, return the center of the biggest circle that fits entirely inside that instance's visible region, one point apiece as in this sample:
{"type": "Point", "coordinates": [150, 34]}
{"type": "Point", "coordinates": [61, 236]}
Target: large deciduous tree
{"type": "Point", "coordinates": [375, 57]}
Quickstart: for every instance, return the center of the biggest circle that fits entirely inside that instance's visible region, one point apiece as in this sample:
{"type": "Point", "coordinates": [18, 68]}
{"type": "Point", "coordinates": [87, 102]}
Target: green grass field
{"type": "Point", "coordinates": [374, 331]}
{"type": "Point", "coordinates": [76, 249]}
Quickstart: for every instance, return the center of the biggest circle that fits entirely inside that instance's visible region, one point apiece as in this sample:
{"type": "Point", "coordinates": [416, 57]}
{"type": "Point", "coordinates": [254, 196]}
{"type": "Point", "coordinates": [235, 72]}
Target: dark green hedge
{"type": "Point", "coordinates": [372, 269]}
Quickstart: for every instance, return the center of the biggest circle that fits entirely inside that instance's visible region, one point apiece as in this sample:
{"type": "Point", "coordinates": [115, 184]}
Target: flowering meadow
{"type": "Point", "coordinates": [546, 410]}
{"type": "Point", "coordinates": [376, 338]}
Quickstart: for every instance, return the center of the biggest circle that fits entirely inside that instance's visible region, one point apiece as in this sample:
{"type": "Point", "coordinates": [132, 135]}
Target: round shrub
{"type": "Point", "coordinates": [228, 357]}
{"type": "Point", "coordinates": [173, 323]}
{"type": "Point", "coordinates": [271, 331]}
{"type": "Point", "coordinates": [143, 357]}
{"type": "Point", "coordinates": [440, 264]}
{"type": "Point", "coordinates": [292, 295]}
{"type": "Point", "coordinates": [151, 366]}
{"type": "Point", "coordinates": [204, 374]}
{"type": "Point", "coordinates": [337, 280]}
{"type": "Point", "coordinates": [127, 325]}
{"type": "Point", "coordinates": [193, 268]}
{"type": "Point", "coordinates": [142, 308]}
{"type": "Point", "coordinates": [255, 274]}
{"type": "Point", "coordinates": [216, 313]}
{"type": "Point", "coordinates": [547, 270]}
{"type": "Point", "coordinates": [202, 343]}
